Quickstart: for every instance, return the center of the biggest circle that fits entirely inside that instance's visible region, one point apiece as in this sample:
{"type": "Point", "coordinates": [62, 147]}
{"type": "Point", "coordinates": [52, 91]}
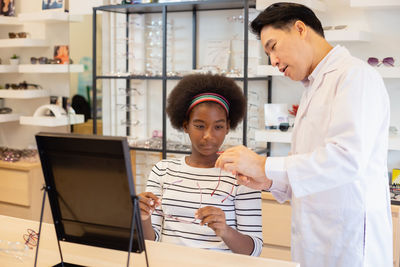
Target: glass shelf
{"type": "Point", "coordinates": [176, 6]}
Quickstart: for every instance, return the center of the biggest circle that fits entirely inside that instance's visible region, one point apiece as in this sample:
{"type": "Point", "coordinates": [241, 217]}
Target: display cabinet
{"type": "Point", "coordinates": [130, 78]}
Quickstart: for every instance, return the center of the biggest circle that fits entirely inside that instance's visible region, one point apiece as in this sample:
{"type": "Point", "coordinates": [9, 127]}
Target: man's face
{"type": "Point", "coordinates": [287, 50]}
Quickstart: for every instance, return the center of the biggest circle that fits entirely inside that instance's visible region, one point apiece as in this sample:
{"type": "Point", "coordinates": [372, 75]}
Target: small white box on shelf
{"type": "Point", "coordinates": [374, 3]}
{"type": "Point", "coordinates": [50, 68]}
{"type": "Point", "coordinates": [24, 94]}
{"type": "Point", "coordinates": [316, 5]}
{"type": "Point", "coordinates": [23, 42]}
{"type": "Point", "coordinates": [8, 68]}
{"type": "Point", "coordinates": [389, 72]}
{"type": "Point", "coordinates": [9, 117]}
{"type": "Point", "coordinates": [274, 136]}
{"type": "Point", "coordinates": [346, 35]}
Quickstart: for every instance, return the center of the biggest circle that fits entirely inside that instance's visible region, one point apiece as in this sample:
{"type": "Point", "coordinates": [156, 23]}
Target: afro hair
{"type": "Point", "coordinates": [183, 93]}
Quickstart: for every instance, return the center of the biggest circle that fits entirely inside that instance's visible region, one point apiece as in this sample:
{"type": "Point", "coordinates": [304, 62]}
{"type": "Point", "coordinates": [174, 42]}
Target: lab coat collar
{"type": "Point", "coordinates": [328, 64]}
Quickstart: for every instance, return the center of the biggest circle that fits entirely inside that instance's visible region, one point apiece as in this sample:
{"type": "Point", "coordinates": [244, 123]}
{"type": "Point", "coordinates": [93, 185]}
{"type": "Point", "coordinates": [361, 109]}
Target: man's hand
{"type": "Point", "coordinates": [252, 183]}
{"type": "Point", "coordinates": [247, 165]}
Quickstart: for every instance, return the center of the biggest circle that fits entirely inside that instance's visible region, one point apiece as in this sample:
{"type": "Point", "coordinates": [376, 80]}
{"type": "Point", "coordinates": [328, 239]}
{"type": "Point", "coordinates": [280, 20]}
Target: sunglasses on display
{"type": "Point", "coordinates": [387, 61]}
{"type": "Point", "coordinates": [13, 35]}
{"type": "Point", "coordinates": [5, 110]}
{"type": "Point", "coordinates": [24, 85]}
{"type": "Point", "coordinates": [284, 126]}
{"type": "Point", "coordinates": [45, 60]}
{"type": "Point", "coordinates": [338, 27]}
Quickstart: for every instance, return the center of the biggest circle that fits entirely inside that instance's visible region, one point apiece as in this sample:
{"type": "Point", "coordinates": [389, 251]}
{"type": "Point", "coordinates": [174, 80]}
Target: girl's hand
{"type": "Point", "coordinates": [214, 218]}
{"type": "Point", "coordinates": [147, 203]}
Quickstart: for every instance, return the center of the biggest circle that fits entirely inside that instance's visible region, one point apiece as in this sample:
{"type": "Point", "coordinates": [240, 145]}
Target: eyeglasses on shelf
{"type": "Point", "coordinates": [5, 110]}
{"type": "Point", "coordinates": [387, 61]}
{"type": "Point", "coordinates": [337, 27]}
{"type": "Point", "coordinates": [45, 60]}
{"type": "Point", "coordinates": [22, 85]}
{"type": "Point", "coordinates": [13, 35]}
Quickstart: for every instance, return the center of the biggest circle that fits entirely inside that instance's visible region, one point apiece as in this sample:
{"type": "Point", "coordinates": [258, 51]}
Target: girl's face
{"type": "Point", "coordinates": [207, 127]}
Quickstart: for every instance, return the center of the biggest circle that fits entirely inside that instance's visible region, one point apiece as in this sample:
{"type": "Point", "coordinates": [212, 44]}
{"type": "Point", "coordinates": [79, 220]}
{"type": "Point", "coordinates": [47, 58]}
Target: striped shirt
{"type": "Point", "coordinates": [184, 189]}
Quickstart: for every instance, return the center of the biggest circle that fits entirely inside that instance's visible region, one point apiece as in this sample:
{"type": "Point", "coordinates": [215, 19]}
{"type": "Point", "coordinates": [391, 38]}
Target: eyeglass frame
{"type": "Point", "coordinates": [169, 216]}
{"type": "Point", "coordinates": [387, 61]}
{"type": "Point", "coordinates": [44, 60]}
{"type": "Point", "coordinates": [219, 181]}
{"type": "Point", "coordinates": [23, 85]}
{"type": "Point", "coordinates": [31, 238]}
{"type": "Point", "coordinates": [14, 35]}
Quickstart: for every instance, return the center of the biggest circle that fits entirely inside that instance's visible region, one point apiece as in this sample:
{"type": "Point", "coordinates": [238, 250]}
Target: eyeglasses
{"type": "Point", "coordinates": [169, 216]}
{"type": "Point", "coordinates": [13, 35]}
{"type": "Point", "coordinates": [16, 249]}
{"type": "Point", "coordinates": [219, 181]}
{"type": "Point", "coordinates": [45, 60]}
{"type": "Point", "coordinates": [31, 238]}
{"type": "Point", "coordinates": [5, 110]}
{"type": "Point", "coordinates": [23, 85]}
{"type": "Point", "coordinates": [387, 61]}
{"type": "Point", "coordinates": [14, 155]}
{"type": "Point", "coordinates": [284, 126]}
{"type": "Point", "coordinates": [10, 155]}
{"type": "Point", "coordinates": [338, 27]}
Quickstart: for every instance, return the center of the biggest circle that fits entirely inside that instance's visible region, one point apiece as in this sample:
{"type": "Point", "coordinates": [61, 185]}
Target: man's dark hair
{"type": "Point", "coordinates": [283, 15]}
{"type": "Point", "coordinates": [183, 93]}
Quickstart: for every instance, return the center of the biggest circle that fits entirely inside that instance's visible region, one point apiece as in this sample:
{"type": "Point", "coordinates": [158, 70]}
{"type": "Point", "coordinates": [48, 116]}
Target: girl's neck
{"type": "Point", "coordinates": [199, 161]}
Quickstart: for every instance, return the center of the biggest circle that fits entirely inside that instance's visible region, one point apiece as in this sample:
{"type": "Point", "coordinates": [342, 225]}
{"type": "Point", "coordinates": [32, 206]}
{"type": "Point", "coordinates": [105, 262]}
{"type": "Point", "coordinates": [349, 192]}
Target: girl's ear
{"type": "Point", "coordinates": [185, 126]}
{"type": "Point", "coordinates": [228, 126]}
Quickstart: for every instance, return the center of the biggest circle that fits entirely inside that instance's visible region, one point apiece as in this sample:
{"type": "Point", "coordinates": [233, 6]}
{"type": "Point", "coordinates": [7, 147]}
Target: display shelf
{"type": "Point", "coordinates": [50, 68]}
{"type": "Point", "coordinates": [268, 70]}
{"type": "Point", "coordinates": [9, 117]}
{"type": "Point", "coordinates": [176, 6]}
{"type": "Point", "coordinates": [394, 142]}
{"type": "Point", "coordinates": [389, 72]}
{"type": "Point", "coordinates": [8, 68]}
{"type": "Point", "coordinates": [276, 136]}
{"type": "Point", "coordinates": [347, 36]}
{"type": "Point", "coordinates": [375, 3]}
{"type": "Point", "coordinates": [315, 5]}
{"type": "Point", "coordinates": [24, 94]}
{"type": "Point", "coordinates": [9, 21]}
{"type": "Point", "coordinates": [49, 17]}
{"type": "Point", "coordinates": [52, 121]}
{"type": "Point", "coordinates": [23, 42]}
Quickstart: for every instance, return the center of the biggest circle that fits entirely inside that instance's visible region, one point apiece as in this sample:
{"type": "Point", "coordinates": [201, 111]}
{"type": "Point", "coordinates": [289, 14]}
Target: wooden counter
{"type": "Point", "coordinates": [159, 254]}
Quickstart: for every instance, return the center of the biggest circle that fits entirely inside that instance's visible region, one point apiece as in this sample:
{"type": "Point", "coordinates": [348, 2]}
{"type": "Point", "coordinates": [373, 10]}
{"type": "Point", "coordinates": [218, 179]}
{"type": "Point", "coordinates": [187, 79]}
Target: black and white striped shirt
{"type": "Point", "coordinates": [184, 189]}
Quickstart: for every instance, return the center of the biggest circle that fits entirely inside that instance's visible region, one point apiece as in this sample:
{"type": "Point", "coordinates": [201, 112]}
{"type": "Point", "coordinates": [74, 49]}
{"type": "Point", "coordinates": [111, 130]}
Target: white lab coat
{"type": "Point", "coordinates": [336, 176]}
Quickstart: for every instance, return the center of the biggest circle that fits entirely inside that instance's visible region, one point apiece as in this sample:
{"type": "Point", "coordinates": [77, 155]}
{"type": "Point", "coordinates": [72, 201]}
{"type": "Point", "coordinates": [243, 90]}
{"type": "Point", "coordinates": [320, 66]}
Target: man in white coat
{"type": "Point", "coordinates": [336, 174]}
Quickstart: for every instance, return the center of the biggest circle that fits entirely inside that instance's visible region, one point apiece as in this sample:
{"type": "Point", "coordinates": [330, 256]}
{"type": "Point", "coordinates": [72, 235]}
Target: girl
{"type": "Point", "coordinates": [187, 200]}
